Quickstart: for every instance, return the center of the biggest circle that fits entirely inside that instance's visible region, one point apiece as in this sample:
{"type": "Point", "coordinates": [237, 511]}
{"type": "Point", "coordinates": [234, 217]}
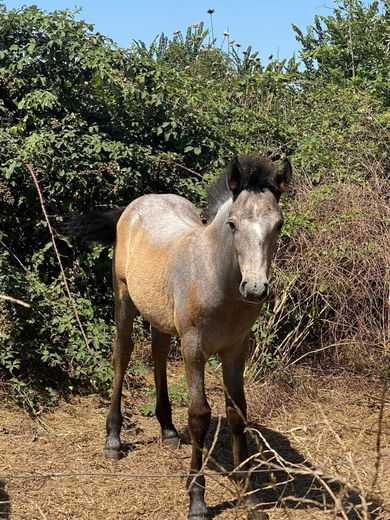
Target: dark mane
{"type": "Point", "coordinates": [258, 173]}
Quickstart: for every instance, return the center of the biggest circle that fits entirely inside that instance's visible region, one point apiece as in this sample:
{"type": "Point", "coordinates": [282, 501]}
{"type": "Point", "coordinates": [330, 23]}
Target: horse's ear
{"type": "Point", "coordinates": [234, 176]}
{"type": "Point", "coordinates": [283, 176]}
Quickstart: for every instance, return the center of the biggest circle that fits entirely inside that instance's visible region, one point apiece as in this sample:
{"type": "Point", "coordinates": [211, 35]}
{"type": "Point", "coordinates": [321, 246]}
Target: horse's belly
{"type": "Point", "coordinates": [148, 285]}
{"type": "Point", "coordinates": [154, 307]}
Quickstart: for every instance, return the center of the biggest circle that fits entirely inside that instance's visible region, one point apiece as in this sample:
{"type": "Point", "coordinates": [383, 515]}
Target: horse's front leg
{"type": "Point", "coordinates": [233, 364]}
{"type": "Point", "coordinates": [199, 413]}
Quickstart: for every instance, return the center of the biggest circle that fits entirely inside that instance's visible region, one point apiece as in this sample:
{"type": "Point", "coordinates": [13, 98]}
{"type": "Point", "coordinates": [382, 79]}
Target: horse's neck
{"type": "Point", "coordinates": [226, 265]}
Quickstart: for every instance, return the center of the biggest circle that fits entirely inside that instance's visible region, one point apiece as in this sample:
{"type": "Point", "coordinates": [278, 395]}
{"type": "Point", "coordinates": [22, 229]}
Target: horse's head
{"type": "Point", "coordinates": [255, 219]}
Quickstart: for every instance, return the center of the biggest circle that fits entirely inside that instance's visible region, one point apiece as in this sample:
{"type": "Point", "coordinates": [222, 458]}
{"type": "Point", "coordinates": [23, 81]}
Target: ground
{"type": "Point", "coordinates": [320, 429]}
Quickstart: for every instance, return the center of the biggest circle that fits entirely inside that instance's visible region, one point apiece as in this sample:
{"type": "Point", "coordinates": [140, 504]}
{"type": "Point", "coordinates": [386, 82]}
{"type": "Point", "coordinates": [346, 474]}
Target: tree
{"type": "Point", "coordinates": [351, 44]}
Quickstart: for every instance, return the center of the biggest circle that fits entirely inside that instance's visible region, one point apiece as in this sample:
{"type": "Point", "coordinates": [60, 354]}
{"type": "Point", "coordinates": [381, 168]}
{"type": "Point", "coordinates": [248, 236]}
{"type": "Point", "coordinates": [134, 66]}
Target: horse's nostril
{"type": "Point", "coordinates": [242, 287]}
{"type": "Point", "coordinates": [265, 289]}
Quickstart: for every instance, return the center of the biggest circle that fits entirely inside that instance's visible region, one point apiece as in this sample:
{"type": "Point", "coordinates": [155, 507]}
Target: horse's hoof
{"type": "Point", "coordinates": [112, 454]}
{"type": "Point", "coordinates": [172, 442]}
{"type": "Point", "coordinates": [200, 513]}
{"type": "Point", "coordinates": [257, 515]}
{"type": "Point", "coordinates": [170, 438]}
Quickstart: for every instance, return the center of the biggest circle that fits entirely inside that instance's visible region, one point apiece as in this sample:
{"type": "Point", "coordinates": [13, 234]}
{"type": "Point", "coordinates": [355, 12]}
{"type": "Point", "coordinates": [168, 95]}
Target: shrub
{"type": "Point", "coordinates": [102, 125]}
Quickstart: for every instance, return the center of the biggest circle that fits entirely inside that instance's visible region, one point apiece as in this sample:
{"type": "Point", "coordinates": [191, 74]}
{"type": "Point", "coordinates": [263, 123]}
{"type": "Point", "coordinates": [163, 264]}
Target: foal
{"type": "Point", "coordinates": [204, 283]}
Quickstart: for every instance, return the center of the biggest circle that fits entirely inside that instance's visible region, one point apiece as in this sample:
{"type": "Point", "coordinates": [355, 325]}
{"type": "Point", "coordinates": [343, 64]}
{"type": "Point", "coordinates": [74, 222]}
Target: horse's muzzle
{"type": "Point", "coordinates": [254, 292]}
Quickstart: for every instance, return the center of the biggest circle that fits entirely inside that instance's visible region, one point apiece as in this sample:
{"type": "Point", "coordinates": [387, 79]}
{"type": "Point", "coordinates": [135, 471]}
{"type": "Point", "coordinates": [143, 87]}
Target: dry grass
{"type": "Point", "coordinates": [332, 279]}
{"type": "Point", "coordinates": [322, 434]}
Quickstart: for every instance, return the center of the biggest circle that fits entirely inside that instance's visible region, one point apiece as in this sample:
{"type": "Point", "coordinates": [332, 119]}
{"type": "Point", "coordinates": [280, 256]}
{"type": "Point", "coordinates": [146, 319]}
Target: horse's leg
{"type": "Point", "coordinates": [233, 364]}
{"type": "Point", "coordinates": [160, 348]}
{"type": "Point", "coordinates": [125, 312]}
{"type": "Point", "coordinates": [198, 423]}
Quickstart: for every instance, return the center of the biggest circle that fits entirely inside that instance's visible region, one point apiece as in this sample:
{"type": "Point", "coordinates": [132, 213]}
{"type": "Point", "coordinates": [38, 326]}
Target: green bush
{"type": "Point", "coordinates": [102, 125]}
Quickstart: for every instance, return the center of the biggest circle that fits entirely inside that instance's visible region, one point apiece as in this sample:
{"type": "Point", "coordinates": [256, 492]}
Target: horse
{"type": "Point", "coordinates": [202, 281]}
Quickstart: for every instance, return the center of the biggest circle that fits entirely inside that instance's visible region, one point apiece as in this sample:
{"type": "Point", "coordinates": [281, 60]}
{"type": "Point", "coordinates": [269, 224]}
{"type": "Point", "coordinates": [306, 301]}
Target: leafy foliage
{"type": "Point", "coordinates": [102, 125]}
{"type": "Point", "coordinates": [352, 43]}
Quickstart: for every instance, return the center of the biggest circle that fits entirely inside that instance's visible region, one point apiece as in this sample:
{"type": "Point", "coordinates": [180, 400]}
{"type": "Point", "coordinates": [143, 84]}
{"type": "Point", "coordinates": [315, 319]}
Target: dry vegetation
{"type": "Point", "coordinates": [326, 448]}
{"type": "Point", "coordinates": [331, 282]}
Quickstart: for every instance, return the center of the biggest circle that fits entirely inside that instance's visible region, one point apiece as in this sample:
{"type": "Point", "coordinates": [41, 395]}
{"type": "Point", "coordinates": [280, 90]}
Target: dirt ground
{"type": "Point", "coordinates": [321, 442]}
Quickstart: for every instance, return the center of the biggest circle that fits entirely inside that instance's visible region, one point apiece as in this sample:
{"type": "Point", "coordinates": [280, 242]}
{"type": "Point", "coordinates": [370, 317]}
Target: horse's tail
{"type": "Point", "coordinates": [94, 226]}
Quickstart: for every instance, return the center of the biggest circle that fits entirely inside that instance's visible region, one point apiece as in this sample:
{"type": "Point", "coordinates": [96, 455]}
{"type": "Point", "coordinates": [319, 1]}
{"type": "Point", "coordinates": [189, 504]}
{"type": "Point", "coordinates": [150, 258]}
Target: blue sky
{"type": "Point", "coordinates": [263, 24]}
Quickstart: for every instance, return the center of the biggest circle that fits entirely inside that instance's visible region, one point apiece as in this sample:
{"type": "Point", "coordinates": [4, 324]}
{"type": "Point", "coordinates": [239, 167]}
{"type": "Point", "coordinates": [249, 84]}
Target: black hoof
{"type": "Point", "coordinates": [200, 513]}
{"type": "Point", "coordinates": [172, 442]}
{"type": "Point", "coordinates": [112, 454]}
{"type": "Point", "coordinates": [170, 438]}
{"type": "Point", "coordinates": [257, 515]}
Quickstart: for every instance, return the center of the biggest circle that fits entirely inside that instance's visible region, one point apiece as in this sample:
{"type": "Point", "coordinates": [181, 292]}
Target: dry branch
{"type": "Point", "coordinates": [69, 294]}
{"type": "Point", "coordinates": [14, 300]}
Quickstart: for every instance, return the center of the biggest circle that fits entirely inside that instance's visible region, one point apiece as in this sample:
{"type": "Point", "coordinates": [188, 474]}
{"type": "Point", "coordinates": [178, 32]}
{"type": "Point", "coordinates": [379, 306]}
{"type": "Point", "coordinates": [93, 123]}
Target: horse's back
{"type": "Point", "coordinates": [164, 217]}
{"type": "Point", "coordinates": [149, 234]}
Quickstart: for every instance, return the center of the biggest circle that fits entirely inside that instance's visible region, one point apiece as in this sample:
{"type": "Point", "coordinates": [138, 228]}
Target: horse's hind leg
{"type": "Point", "coordinates": [125, 312]}
{"type": "Point", "coordinates": [160, 348]}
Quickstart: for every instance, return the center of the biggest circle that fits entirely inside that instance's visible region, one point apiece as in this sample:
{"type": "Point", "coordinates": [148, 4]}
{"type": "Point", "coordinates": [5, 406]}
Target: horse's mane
{"type": "Point", "coordinates": [257, 174]}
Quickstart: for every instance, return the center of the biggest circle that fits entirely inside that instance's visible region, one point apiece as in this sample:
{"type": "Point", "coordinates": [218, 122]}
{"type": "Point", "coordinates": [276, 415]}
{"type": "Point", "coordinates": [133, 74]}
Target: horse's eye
{"type": "Point", "coordinates": [232, 225]}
